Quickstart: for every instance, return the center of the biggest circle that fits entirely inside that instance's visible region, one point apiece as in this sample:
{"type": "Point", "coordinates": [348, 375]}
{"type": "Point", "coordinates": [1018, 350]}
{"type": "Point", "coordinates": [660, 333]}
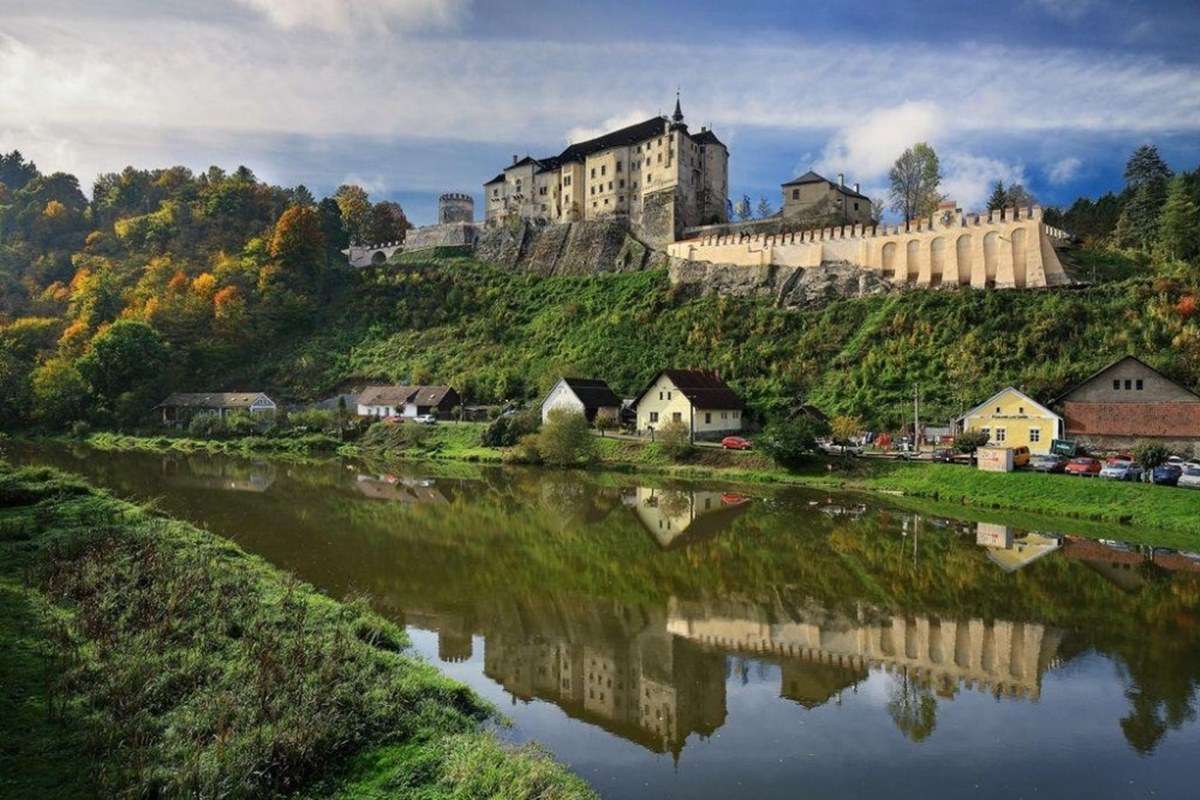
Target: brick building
{"type": "Point", "coordinates": [1129, 401]}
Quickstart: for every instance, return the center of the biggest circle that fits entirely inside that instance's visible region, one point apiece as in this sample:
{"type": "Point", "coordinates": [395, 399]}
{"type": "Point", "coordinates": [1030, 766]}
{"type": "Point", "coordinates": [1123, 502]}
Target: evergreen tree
{"type": "Point", "coordinates": [1179, 222]}
{"type": "Point", "coordinates": [999, 197]}
{"type": "Point", "coordinates": [1146, 166]}
{"type": "Point", "coordinates": [1146, 176]}
{"type": "Point", "coordinates": [764, 208]}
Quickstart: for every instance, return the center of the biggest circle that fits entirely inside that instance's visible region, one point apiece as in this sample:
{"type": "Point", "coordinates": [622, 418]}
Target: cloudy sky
{"type": "Point", "coordinates": [413, 97]}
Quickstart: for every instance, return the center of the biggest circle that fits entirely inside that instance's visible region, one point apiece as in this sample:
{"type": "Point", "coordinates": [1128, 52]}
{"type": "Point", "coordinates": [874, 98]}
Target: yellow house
{"type": "Point", "coordinates": [1012, 418]}
{"type": "Point", "coordinates": [697, 398]}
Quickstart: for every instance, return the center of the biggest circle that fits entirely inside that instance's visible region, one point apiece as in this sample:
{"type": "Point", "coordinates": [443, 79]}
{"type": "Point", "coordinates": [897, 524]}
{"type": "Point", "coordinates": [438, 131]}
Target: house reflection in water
{"type": "Point", "coordinates": [673, 514]}
{"type": "Point", "coordinates": [1011, 552]}
{"type": "Point", "coordinates": [222, 474]}
{"type": "Point", "coordinates": [400, 490]}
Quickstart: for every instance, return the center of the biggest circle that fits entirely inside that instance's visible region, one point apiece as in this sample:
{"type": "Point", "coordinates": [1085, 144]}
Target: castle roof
{"type": "Point", "coordinates": [630, 134]}
{"type": "Point", "coordinates": [498, 179]}
{"type": "Point", "coordinates": [812, 177]}
{"type": "Point", "coordinates": [706, 136]}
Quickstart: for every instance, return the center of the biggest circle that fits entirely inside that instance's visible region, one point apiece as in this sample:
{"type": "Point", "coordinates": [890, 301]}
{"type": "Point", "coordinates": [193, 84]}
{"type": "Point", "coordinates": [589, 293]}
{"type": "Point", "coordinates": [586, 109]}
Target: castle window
{"type": "Point", "coordinates": [635, 184]}
{"type": "Point", "coordinates": [593, 190]}
{"type": "Point", "coordinates": [621, 183]}
{"type": "Point", "coordinates": [795, 194]}
{"type": "Point", "coordinates": [649, 178]}
{"type": "Point", "coordinates": [593, 172]}
{"type": "Point", "coordinates": [618, 166]}
{"type": "Point", "coordinates": [856, 205]}
{"type": "Point", "coordinates": [610, 186]}
{"type": "Point", "coordinates": [606, 201]}
{"type": "Point", "coordinates": [660, 158]}
{"type": "Point", "coordinates": [543, 206]}
{"type": "Point", "coordinates": [620, 198]}
{"type": "Point", "coordinates": [602, 168]}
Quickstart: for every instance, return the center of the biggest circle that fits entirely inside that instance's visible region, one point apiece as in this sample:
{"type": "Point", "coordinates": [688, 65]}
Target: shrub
{"type": "Point", "coordinates": [1150, 454]}
{"type": "Point", "coordinates": [970, 441]}
{"type": "Point", "coordinates": [790, 443]}
{"type": "Point", "coordinates": [525, 451]}
{"type": "Point", "coordinates": [507, 430]}
{"type": "Point", "coordinates": [674, 440]}
{"type": "Point", "coordinates": [565, 439]}
{"type": "Point", "coordinates": [242, 423]}
{"type": "Point", "coordinates": [845, 428]}
{"type": "Point", "coordinates": [313, 419]}
{"type": "Point", "coordinates": [207, 426]}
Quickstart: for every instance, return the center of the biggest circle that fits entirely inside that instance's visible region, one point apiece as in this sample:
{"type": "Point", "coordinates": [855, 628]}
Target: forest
{"type": "Point", "coordinates": [168, 280]}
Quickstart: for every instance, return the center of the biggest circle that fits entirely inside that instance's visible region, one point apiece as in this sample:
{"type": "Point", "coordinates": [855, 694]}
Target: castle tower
{"type": "Point", "coordinates": [456, 207]}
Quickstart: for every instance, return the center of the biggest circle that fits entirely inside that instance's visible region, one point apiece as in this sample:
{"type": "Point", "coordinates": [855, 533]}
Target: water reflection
{"type": "Point", "coordinates": [679, 618]}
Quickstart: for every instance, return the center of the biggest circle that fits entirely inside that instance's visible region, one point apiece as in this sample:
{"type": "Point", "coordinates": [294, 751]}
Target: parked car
{"type": "Point", "coordinates": [944, 455]}
{"type": "Point", "coordinates": [1166, 474]}
{"type": "Point", "coordinates": [1048, 463]}
{"type": "Point", "coordinates": [1084, 466]}
{"type": "Point", "coordinates": [1190, 477]}
{"type": "Point", "coordinates": [1021, 457]}
{"type": "Point", "coordinates": [736, 443]}
{"type": "Point", "coordinates": [425, 419]}
{"type": "Point", "coordinates": [1121, 471]}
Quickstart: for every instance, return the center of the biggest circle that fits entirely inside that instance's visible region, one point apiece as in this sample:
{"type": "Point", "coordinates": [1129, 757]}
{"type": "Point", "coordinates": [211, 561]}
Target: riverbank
{"type": "Point", "coordinates": [1148, 514]}
{"type": "Point", "coordinates": [143, 656]}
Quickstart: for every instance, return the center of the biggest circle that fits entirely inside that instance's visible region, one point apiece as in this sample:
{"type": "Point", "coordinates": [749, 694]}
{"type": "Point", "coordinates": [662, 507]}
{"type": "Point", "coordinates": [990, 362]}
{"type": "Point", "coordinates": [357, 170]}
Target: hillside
{"type": "Point", "coordinates": [168, 280]}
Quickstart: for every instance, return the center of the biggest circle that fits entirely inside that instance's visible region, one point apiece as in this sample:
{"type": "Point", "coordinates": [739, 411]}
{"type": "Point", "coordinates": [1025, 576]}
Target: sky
{"type": "Point", "coordinates": [410, 98]}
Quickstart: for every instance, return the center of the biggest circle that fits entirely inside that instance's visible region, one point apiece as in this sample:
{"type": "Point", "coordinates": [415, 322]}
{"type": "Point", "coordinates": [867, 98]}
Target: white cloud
{"type": "Point", "coordinates": [374, 184]}
{"type": "Point", "coordinates": [1064, 170]}
{"type": "Point", "coordinates": [345, 16]}
{"type": "Point", "coordinates": [967, 179]}
{"type": "Point", "coordinates": [868, 147]}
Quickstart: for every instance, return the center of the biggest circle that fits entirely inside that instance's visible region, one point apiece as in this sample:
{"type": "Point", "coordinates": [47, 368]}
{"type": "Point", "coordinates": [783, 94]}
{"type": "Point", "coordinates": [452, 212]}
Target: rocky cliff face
{"type": "Point", "coordinates": [575, 248]}
{"type": "Point", "coordinates": [789, 287]}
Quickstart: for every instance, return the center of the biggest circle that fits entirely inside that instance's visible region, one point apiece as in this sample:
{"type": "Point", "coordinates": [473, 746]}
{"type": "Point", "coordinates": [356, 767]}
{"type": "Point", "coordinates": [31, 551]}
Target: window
{"type": "Point", "coordinates": [649, 178]}
{"type": "Point", "coordinates": [495, 192]}
{"type": "Point", "coordinates": [1140, 385]}
{"type": "Point", "coordinates": [542, 190]}
{"type": "Point", "coordinates": [606, 201]}
{"type": "Point", "coordinates": [654, 416]}
{"type": "Point", "coordinates": [668, 395]}
{"type": "Point", "coordinates": [1035, 435]}
{"type": "Point", "coordinates": [593, 190]}
{"type": "Point", "coordinates": [795, 194]}
{"type": "Point", "coordinates": [566, 180]}
{"type": "Point", "coordinates": [618, 166]}
{"type": "Point", "coordinates": [543, 206]}
{"type": "Point", "coordinates": [660, 395]}
{"type": "Point", "coordinates": [677, 416]}
{"type": "Point", "coordinates": [593, 172]}
{"type": "Point", "coordinates": [1020, 409]}
{"type": "Point", "coordinates": [610, 186]}
{"type": "Point", "coordinates": [620, 198]}
{"type": "Point", "coordinates": [1116, 385]}
{"type": "Point", "coordinates": [621, 183]}
{"type": "Point", "coordinates": [724, 415]}
{"type": "Point", "coordinates": [856, 205]}
{"type": "Point", "coordinates": [988, 433]}
{"type": "Point", "coordinates": [660, 158]}
{"type": "Point", "coordinates": [707, 418]}
{"type": "Point", "coordinates": [997, 409]}
{"type": "Point", "coordinates": [1000, 434]}
{"type": "Point", "coordinates": [1128, 384]}
{"type": "Point", "coordinates": [736, 414]}
{"type": "Point", "coordinates": [603, 167]}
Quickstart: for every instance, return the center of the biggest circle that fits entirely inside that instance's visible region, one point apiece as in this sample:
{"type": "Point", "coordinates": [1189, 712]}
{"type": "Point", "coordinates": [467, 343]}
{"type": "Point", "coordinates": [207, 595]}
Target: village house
{"type": "Point", "coordinates": [180, 407]}
{"type": "Point", "coordinates": [407, 401]}
{"type": "Point", "coordinates": [813, 198]}
{"type": "Point", "coordinates": [697, 398]}
{"type": "Point", "coordinates": [587, 396]}
{"type": "Point", "coordinates": [1129, 401]}
{"type": "Point", "coordinates": [1012, 418]}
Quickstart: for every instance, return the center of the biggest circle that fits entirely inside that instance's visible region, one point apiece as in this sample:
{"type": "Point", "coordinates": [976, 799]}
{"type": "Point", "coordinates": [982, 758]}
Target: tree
{"type": "Point", "coordinates": [914, 180]}
{"type": "Point", "coordinates": [912, 707]}
{"type": "Point", "coordinates": [845, 428]}
{"type": "Point", "coordinates": [386, 223]}
{"type": "Point", "coordinates": [1018, 197]}
{"type": "Point", "coordinates": [1179, 222]}
{"type": "Point", "coordinates": [301, 196]}
{"type": "Point", "coordinates": [352, 201]}
{"type": "Point", "coordinates": [606, 420]}
{"type": "Point", "coordinates": [790, 443]}
{"type": "Point", "coordinates": [1138, 225]}
{"type": "Point", "coordinates": [764, 208]}
{"type": "Point", "coordinates": [124, 367]}
{"type": "Point", "coordinates": [970, 441]}
{"type": "Point", "coordinates": [744, 209]}
{"type": "Point", "coordinates": [1150, 454]}
{"type": "Point", "coordinates": [565, 439]}
{"type": "Point", "coordinates": [675, 440]}
{"type": "Point", "coordinates": [59, 392]}
{"type": "Point", "coordinates": [298, 244]}
{"type": "Point", "coordinates": [998, 198]}
{"type": "Point", "coordinates": [1146, 166]}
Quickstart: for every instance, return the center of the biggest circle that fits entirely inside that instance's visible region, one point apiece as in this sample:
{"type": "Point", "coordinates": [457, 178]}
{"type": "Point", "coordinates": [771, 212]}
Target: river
{"type": "Point", "coordinates": [669, 639]}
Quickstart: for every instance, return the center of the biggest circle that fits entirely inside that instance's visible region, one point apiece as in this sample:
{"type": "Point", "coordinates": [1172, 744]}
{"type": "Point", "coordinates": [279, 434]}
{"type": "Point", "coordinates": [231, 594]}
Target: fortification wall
{"type": "Point", "coordinates": [1009, 248]}
{"type": "Point", "coordinates": [449, 234]}
{"type": "Point", "coordinates": [570, 248]}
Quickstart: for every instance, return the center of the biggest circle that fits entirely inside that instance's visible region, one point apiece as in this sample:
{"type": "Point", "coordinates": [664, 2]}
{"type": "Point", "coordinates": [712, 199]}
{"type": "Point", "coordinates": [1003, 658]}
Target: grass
{"type": "Point", "coordinates": [159, 660]}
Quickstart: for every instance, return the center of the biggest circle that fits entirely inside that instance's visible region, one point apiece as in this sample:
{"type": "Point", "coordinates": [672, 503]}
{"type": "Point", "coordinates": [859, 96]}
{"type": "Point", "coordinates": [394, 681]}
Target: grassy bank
{"type": "Point", "coordinates": [144, 657]}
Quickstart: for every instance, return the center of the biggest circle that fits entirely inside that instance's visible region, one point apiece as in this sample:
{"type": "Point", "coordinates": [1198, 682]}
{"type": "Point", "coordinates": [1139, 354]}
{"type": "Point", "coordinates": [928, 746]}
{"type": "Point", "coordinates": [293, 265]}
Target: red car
{"type": "Point", "coordinates": [1087, 467]}
{"type": "Point", "coordinates": [735, 443]}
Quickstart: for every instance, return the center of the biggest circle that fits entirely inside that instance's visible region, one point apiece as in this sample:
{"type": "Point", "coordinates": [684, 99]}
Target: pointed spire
{"type": "Point", "coordinates": [678, 116]}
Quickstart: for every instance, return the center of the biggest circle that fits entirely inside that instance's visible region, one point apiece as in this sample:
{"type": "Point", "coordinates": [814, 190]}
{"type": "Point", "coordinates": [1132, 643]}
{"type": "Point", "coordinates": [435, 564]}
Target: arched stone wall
{"type": "Point", "coordinates": [963, 251]}
{"type": "Point", "coordinates": [912, 260]}
{"type": "Point", "coordinates": [378, 257]}
{"type": "Point", "coordinates": [937, 261]}
{"type": "Point", "coordinates": [889, 260]}
{"type": "Point", "coordinates": [1019, 265]}
{"type": "Point", "coordinates": [991, 257]}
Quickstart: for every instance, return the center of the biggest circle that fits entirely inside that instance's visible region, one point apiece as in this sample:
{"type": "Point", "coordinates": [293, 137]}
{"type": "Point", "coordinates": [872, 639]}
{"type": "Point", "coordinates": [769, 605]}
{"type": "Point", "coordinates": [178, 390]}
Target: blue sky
{"type": "Point", "coordinates": [414, 97]}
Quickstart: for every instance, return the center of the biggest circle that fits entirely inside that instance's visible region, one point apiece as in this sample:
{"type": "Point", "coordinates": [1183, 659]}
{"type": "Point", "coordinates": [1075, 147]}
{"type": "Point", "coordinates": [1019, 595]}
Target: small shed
{"type": "Point", "coordinates": [180, 407]}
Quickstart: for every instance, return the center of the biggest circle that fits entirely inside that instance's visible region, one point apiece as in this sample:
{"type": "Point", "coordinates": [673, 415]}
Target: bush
{"type": "Point", "coordinates": [565, 439]}
{"type": "Point", "coordinates": [790, 443]}
{"type": "Point", "coordinates": [525, 451]}
{"type": "Point", "coordinates": [207, 426]}
{"type": "Point", "coordinates": [242, 423]}
{"type": "Point", "coordinates": [315, 420]}
{"type": "Point", "coordinates": [606, 420]}
{"type": "Point", "coordinates": [970, 441]}
{"type": "Point", "coordinates": [507, 430]}
{"type": "Point", "coordinates": [674, 440]}
{"type": "Point", "coordinates": [1150, 454]}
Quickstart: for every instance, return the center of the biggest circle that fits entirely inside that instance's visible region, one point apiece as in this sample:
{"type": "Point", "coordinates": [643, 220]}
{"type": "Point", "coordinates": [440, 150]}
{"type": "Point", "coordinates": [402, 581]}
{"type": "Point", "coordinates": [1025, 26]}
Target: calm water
{"type": "Point", "coordinates": [682, 640]}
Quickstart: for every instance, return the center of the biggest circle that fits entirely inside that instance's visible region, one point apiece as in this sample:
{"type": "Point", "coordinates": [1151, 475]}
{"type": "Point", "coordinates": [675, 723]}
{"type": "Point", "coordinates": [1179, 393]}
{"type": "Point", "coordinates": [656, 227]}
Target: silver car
{"type": "Point", "coordinates": [1190, 478]}
{"type": "Point", "coordinates": [1121, 471]}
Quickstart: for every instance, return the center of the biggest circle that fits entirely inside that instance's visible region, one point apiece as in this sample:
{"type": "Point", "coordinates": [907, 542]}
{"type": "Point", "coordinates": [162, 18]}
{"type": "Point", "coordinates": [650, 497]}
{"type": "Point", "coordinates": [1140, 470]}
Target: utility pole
{"type": "Point", "coordinates": [916, 420]}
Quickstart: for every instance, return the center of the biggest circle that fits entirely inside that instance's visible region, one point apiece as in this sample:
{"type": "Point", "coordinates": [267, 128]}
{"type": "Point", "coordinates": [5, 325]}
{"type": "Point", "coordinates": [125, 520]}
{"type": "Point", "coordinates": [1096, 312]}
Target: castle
{"type": "Point", "coordinates": [655, 174]}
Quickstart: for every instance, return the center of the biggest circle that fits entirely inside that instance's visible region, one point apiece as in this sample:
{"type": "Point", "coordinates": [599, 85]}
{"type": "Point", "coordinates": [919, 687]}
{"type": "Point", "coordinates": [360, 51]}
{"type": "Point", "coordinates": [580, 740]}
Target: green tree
{"type": "Point", "coordinates": [970, 441]}
{"type": "Point", "coordinates": [386, 223]}
{"type": "Point", "coordinates": [744, 210]}
{"type": "Point", "coordinates": [1179, 222]}
{"type": "Point", "coordinates": [998, 198]}
{"type": "Point", "coordinates": [844, 429]}
{"type": "Point", "coordinates": [59, 392]}
{"type": "Point", "coordinates": [764, 208]}
{"type": "Point", "coordinates": [1150, 454]}
{"type": "Point", "coordinates": [565, 439]}
{"type": "Point", "coordinates": [675, 440]}
{"type": "Point", "coordinates": [791, 442]}
{"type": "Point", "coordinates": [1146, 166]}
{"type": "Point", "coordinates": [355, 206]}
{"type": "Point", "coordinates": [125, 367]}
{"type": "Point", "coordinates": [1146, 177]}
{"type": "Point", "coordinates": [606, 420]}
{"type": "Point", "coordinates": [914, 180]}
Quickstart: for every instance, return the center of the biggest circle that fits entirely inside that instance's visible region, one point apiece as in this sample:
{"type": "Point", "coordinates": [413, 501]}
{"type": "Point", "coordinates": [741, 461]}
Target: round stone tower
{"type": "Point", "coordinates": [456, 207]}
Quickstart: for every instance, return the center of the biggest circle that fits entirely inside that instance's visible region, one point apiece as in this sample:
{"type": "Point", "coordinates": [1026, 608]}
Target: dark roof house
{"type": "Point", "coordinates": [704, 389]}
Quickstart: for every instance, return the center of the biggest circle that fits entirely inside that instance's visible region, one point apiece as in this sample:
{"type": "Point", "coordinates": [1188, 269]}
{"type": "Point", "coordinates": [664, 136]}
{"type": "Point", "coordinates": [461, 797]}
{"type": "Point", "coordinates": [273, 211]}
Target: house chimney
{"type": "Point", "coordinates": [856, 189]}
{"type": "Point", "coordinates": [841, 179]}
{"type": "Point", "coordinates": [514, 158]}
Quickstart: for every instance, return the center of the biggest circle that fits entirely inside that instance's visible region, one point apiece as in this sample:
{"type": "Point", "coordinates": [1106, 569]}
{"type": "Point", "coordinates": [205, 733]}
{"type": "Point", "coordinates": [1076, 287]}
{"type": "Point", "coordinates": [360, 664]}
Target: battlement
{"type": "Point", "coordinates": [446, 196]}
{"type": "Point", "coordinates": [1004, 248]}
